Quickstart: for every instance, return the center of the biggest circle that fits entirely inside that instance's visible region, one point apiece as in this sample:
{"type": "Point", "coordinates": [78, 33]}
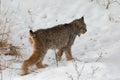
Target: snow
{"type": "Point", "coordinates": [102, 38]}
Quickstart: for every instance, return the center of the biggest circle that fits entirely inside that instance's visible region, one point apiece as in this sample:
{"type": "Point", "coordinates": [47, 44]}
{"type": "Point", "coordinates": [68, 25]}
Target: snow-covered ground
{"type": "Point", "coordinates": [97, 52]}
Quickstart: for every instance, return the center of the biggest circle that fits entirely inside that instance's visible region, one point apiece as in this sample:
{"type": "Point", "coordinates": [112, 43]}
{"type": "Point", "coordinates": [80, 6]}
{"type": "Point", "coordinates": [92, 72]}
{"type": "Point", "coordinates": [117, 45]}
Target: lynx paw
{"type": "Point", "coordinates": [24, 73]}
{"type": "Point", "coordinates": [68, 59]}
{"type": "Point", "coordinates": [41, 65]}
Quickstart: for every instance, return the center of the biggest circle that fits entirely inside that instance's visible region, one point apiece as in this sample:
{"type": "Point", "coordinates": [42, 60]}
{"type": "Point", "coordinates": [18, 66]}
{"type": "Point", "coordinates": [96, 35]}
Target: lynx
{"type": "Point", "coordinates": [60, 37]}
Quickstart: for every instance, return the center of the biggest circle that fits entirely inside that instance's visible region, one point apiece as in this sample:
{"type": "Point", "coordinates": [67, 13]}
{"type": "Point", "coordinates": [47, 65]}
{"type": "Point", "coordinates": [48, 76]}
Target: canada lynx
{"type": "Point", "coordinates": [60, 37]}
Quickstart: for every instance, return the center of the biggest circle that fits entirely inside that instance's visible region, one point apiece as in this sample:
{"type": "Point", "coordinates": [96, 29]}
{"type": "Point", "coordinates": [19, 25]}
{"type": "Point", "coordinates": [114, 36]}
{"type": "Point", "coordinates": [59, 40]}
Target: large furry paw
{"type": "Point", "coordinates": [41, 65]}
{"type": "Point", "coordinates": [24, 73]}
{"type": "Point", "coordinates": [68, 59]}
{"type": "Point", "coordinates": [58, 58]}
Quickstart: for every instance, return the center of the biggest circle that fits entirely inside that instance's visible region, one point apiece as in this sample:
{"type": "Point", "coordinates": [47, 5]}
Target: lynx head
{"type": "Point", "coordinates": [81, 26]}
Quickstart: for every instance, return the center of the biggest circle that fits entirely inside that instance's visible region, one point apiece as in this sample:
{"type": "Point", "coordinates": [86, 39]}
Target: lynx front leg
{"type": "Point", "coordinates": [68, 54]}
{"type": "Point", "coordinates": [59, 54]}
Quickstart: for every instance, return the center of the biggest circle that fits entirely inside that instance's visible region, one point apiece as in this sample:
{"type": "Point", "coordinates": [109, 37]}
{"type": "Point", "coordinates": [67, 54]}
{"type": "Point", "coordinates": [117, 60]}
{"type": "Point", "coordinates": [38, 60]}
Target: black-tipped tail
{"type": "Point", "coordinates": [31, 32]}
{"type": "Point", "coordinates": [82, 18]}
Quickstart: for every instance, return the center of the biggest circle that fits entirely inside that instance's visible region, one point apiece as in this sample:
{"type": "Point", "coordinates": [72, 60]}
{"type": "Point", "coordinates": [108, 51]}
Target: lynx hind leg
{"type": "Point", "coordinates": [39, 63]}
{"type": "Point", "coordinates": [30, 40]}
{"type": "Point", "coordinates": [29, 62]}
{"type": "Point", "coordinates": [59, 54]}
{"type": "Point", "coordinates": [68, 54]}
{"type": "Point", "coordinates": [25, 68]}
